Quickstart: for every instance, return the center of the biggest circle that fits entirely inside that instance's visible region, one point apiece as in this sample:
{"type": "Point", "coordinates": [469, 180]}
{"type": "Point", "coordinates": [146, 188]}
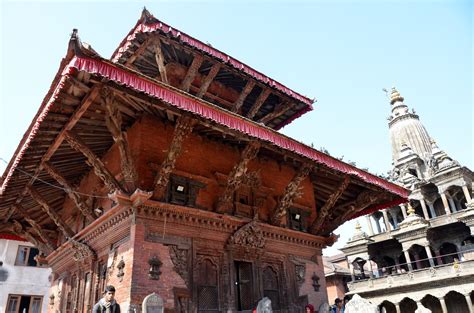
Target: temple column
{"type": "Point", "coordinates": [432, 210]}
{"type": "Point", "coordinates": [417, 260]}
{"type": "Point", "coordinates": [351, 267]}
{"type": "Point", "coordinates": [430, 256]}
{"type": "Point", "coordinates": [445, 203]}
{"type": "Point", "coordinates": [394, 219]}
{"type": "Point", "coordinates": [443, 305]}
{"type": "Point", "coordinates": [438, 257]}
{"type": "Point", "coordinates": [467, 195]}
{"type": "Point", "coordinates": [407, 257]}
{"type": "Point", "coordinates": [369, 223]}
{"type": "Point", "coordinates": [469, 303]}
{"type": "Point", "coordinates": [370, 269]}
{"type": "Point", "coordinates": [397, 307]}
{"type": "Point", "coordinates": [404, 210]}
{"type": "Point", "coordinates": [385, 220]}
{"type": "Point", "coordinates": [377, 224]}
{"type": "Point", "coordinates": [425, 210]}
{"type": "Point", "coordinates": [452, 205]}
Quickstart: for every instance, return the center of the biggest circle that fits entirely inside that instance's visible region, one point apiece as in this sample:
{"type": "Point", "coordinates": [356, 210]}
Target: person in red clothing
{"type": "Point", "coordinates": [309, 308]}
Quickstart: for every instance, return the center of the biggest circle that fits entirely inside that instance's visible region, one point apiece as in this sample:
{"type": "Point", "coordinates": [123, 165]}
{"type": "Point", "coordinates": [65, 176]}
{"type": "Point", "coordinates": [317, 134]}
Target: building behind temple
{"type": "Point", "coordinates": [420, 254]}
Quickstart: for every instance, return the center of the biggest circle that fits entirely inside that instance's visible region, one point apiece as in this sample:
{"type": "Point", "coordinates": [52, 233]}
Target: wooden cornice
{"type": "Point", "coordinates": [160, 61]}
{"type": "Point", "coordinates": [44, 237]}
{"type": "Point", "coordinates": [259, 102]}
{"type": "Point", "coordinates": [291, 193]}
{"type": "Point", "coordinates": [245, 92]}
{"type": "Point", "coordinates": [184, 126]}
{"type": "Point", "coordinates": [192, 71]}
{"type": "Point", "coordinates": [71, 192]}
{"type": "Point", "coordinates": [92, 160]}
{"type": "Point", "coordinates": [236, 176]}
{"type": "Point", "coordinates": [208, 80]}
{"type": "Point", "coordinates": [113, 120]}
{"type": "Point", "coordinates": [65, 229]}
{"type": "Point", "coordinates": [323, 213]}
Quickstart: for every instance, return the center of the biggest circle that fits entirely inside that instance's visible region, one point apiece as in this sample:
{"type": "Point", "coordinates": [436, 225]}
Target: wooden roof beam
{"type": "Point", "coordinates": [236, 176]}
{"type": "Point", "coordinates": [113, 120]}
{"type": "Point", "coordinates": [21, 231]}
{"type": "Point", "coordinates": [92, 160]}
{"type": "Point", "coordinates": [160, 61]}
{"type": "Point", "coordinates": [70, 191]}
{"type": "Point", "coordinates": [139, 51]}
{"type": "Point", "coordinates": [192, 72]}
{"type": "Point", "coordinates": [208, 80]}
{"type": "Point", "coordinates": [279, 109]}
{"type": "Point", "coordinates": [183, 128]}
{"type": "Point", "coordinates": [243, 95]}
{"type": "Point", "coordinates": [291, 193]}
{"type": "Point", "coordinates": [65, 229]}
{"type": "Point", "coordinates": [259, 102]}
{"type": "Point", "coordinates": [26, 216]}
{"type": "Point", "coordinates": [323, 213]}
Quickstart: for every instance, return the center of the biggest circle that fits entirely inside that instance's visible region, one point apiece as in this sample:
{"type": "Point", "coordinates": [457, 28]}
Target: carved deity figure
{"type": "Point", "coordinates": [264, 306]}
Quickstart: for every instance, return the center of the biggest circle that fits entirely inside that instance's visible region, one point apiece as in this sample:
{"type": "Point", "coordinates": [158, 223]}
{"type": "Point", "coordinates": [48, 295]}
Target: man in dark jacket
{"type": "Point", "coordinates": [107, 304]}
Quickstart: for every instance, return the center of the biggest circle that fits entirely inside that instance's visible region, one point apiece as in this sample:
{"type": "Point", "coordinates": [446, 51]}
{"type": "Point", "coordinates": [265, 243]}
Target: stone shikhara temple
{"type": "Point", "coordinates": [421, 256]}
{"type": "Point", "coordinates": [162, 171]}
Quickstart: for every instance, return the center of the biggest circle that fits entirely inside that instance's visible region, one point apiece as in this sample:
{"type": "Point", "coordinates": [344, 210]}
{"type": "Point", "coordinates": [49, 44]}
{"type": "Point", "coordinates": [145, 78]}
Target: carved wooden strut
{"type": "Point", "coordinates": [92, 160]}
{"type": "Point", "coordinates": [323, 213]}
{"type": "Point", "coordinates": [160, 62]}
{"type": "Point", "coordinates": [236, 176]}
{"type": "Point", "coordinates": [71, 192]}
{"type": "Point", "coordinates": [245, 92]}
{"type": "Point", "coordinates": [35, 226]}
{"type": "Point", "coordinates": [258, 103]}
{"type": "Point", "coordinates": [208, 80]}
{"type": "Point", "coordinates": [113, 119]}
{"type": "Point", "coordinates": [183, 128]}
{"type": "Point", "coordinates": [292, 192]}
{"type": "Point", "coordinates": [20, 231]}
{"type": "Point", "coordinates": [192, 72]}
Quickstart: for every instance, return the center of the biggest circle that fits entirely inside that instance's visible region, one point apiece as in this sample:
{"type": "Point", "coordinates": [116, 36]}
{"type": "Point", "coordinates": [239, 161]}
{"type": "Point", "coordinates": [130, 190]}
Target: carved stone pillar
{"type": "Point", "coordinates": [404, 210]}
{"type": "Point", "coordinates": [430, 256]}
{"type": "Point", "coordinates": [469, 303]}
{"type": "Point", "coordinates": [371, 230]}
{"type": "Point", "coordinates": [425, 210]}
{"type": "Point", "coordinates": [351, 267]}
{"type": "Point", "coordinates": [377, 224]}
{"type": "Point", "coordinates": [407, 257]}
{"type": "Point", "coordinates": [452, 205]}
{"type": "Point", "coordinates": [371, 274]}
{"type": "Point", "coordinates": [432, 210]}
{"type": "Point", "coordinates": [443, 305]}
{"type": "Point", "coordinates": [385, 219]}
{"type": "Point", "coordinates": [467, 195]}
{"type": "Point", "coordinates": [394, 219]}
{"type": "Point", "coordinates": [445, 203]}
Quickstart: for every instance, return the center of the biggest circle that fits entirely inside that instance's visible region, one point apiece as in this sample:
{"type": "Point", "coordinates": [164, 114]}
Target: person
{"type": "Point", "coordinates": [337, 308]}
{"type": "Point", "coordinates": [309, 308]}
{"type": "Point", "coordinates": [344, 302]}
{"type": "Point", "coordinates": [107, 304]}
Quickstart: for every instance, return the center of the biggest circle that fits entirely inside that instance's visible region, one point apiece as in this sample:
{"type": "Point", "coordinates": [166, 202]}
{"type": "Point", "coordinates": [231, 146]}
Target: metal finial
{"type": "Point", "coordinates": [410, 210]}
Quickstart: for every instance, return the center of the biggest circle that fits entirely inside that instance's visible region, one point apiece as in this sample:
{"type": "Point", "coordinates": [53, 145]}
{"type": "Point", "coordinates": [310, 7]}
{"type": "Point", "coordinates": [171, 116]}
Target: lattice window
{"type": "Point", "coordinates": [24, 303]}
{"type": "Point", "coordinates": [270, 287]}
{"type": "Point", "coordinates": [183, 191]}
{"type": "Point", "coordinates": [207, 289]}
{"type": "Point", "coordinates": [297, 219]}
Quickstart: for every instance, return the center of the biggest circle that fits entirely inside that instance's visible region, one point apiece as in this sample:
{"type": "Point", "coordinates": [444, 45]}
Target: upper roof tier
{"type": "Point", "coordinates": [160, 51]}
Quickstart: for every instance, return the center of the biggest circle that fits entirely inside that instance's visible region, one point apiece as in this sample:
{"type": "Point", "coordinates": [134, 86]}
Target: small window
{"type": "Point", "coordinates": [24, 303]}
{"type": "Point", "coordinates": [297, 219]}
{"type": "Point", "coordinates": [183, 191]}
{"type": "Point", "coordinates": [26, 256]}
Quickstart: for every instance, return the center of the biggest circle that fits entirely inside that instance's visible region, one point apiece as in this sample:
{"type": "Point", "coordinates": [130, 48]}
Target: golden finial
{"type": "Point", "coordinates": [358, 227]}
{"type": "Point", "coordinates": [395, 96]}
{"type": "Point", "coordinates": [410, 210]}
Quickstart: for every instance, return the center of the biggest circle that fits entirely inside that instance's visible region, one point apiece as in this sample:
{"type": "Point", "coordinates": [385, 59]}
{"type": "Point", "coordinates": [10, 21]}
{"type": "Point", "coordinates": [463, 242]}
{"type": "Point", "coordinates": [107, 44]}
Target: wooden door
{"type": "Point", "coordinates": [244, 286]}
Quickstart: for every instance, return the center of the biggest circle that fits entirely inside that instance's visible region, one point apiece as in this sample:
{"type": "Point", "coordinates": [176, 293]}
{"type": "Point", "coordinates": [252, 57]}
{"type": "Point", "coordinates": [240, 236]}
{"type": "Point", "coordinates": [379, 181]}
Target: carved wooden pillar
{"type": "Point", "coordinates": [235, 177]}
{"type": "Point", "coordinates": [183, 128]}
{"type": "Point", "coordinates": [291, 193]}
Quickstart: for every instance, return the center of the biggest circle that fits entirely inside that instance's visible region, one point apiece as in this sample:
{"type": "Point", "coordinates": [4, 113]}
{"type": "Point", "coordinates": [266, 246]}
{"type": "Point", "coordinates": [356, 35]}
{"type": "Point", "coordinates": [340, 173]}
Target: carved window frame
{"type": "Point", "coordinates": [302, 223]}
{"type": "Point", "coordinates": [186, 197]}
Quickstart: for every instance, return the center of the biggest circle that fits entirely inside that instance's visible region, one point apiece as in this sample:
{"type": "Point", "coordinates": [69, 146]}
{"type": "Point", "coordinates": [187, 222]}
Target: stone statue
{"type": "Point", "coordinates": [264, 306]}
{"type": "Point", "coordinates": [360, 305]}
{"type": "Point", "coordinates": [324, 308]}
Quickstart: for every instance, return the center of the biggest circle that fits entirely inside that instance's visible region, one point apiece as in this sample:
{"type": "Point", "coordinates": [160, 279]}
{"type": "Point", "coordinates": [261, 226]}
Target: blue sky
{"type": "Point", "coordinates": [340, 52]}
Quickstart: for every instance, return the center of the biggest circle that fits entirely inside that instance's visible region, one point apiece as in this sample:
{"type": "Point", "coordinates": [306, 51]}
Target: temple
{"type": "Point", "coordinates": [420, 255]}
{"type": "Point", "coordinates": [162, 171]}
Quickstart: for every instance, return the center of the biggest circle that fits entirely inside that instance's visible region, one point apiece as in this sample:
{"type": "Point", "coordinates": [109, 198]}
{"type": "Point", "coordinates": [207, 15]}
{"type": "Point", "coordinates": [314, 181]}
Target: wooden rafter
{"type": "Point", "coordinates": [184, 126]}
{"type": "Point", "coordinates": [259, 102]}
{"type": "Point", "coordinates": [160, 61]}
{"type": "Point", "coordinates": [279, 109]}
{"type": "Point", "coordinates": [192, 72]}
{"type": "Point", "coordinates": [139, 51]}
{"type": "Point", "coordinates": [245, 92]}
{"type": "Point", "coordinates": [329, 204]}
{"type": "Point", "coordinates": [208, 80]}
{"type": "Point", "coordinates": [113, 120]}
{"type": "Point", "coordinates": [21, 231]}
{"type": "Point", "coordinates": [66, 230]}
{"type": "Point", "coordinates": [44, 237]}
{"type": "Point", "coordinates": [236, 176]}
{"type": "Point", "coordinates": [291, 193]}
{"type": "Point", "coordinates": [71, 192]}
{"type": "Point", "coordinates": [92, 160]}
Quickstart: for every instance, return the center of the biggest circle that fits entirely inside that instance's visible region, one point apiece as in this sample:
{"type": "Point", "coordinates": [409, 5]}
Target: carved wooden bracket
{"type": "Point", "coordinates": [236, 176]}
{"type": "Point", "coordinates": [323, 213]}
{"type": "Point", "coordinates": [183, 128]}
{"type": "Point", "coordinates": [292, 192]}
{"type": "Point", "coordinates": [35, 227]}
{"type": "Point", "coordinates": [92, 160]}
{"type": "Point", "coordinates": [113, 120]}
{"type": "Point", "coordinates": [82, 252]}
{"type": "Point", "coordinates": [80, 204]}
{"type": "Point", "coordinates": [20, 231]}
{"type": "Point", "coordinates": [67, 232]}
{"type": "Point", "coordinates": [192, 71]}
